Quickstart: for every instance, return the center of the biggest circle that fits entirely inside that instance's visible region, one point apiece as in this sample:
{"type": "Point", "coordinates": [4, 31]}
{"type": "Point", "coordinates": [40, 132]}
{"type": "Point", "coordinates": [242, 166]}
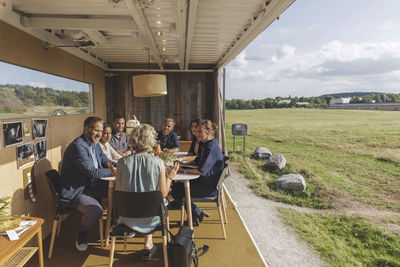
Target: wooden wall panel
{"type": "Point", "coordinates": [190, 96]}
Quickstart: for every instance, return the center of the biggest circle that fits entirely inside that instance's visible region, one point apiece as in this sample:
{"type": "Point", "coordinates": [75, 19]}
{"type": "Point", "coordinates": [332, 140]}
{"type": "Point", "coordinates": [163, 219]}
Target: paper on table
{"type": "Point", "coordinates": [24, 225]}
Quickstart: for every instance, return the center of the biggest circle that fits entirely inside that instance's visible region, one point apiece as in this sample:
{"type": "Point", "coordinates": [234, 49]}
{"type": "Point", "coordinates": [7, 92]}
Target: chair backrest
{"type": "Point", "coordinates": [137, 204]}
{"type": "Point", "coordinates": [53, 179]}
{"type": "Point", "coordinates": [222, 177]}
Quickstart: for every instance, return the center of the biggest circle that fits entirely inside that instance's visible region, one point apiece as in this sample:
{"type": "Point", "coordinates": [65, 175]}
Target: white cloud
{"type": "Point", "coordinates": [333, 67]}
{"type": "Point", "coordinates": [284, 52]}
{"type": "Point", "coordinates": [37, 84]}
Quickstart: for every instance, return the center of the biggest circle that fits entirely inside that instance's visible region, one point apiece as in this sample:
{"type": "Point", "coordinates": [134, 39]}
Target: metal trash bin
{"type": "Point", "coordinates": [239, 129]}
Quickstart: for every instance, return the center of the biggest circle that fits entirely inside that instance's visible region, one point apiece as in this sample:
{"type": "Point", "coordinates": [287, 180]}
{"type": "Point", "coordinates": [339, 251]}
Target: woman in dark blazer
{"type": "Point", "coordinates": [210, 166]}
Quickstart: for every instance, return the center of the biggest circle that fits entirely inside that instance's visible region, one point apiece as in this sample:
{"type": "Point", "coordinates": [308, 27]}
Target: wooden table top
{"type": "Point", "coordinates": [8, 248]}
{"type": "Point", "coordinates": [185, 177]}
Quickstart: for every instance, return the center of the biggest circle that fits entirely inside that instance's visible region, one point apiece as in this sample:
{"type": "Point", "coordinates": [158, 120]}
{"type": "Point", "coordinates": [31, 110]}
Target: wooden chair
{"type": "Point", "coordinates": [219, 199]}
{"type": "Point", "coordinates": [138, 205]}
{"type": "Point", "coordinates": [53, 180]}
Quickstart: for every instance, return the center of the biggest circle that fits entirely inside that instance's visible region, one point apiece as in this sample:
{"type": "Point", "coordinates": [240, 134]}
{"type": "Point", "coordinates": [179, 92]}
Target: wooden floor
{"type": "Point", "coordinates": [236, 250]}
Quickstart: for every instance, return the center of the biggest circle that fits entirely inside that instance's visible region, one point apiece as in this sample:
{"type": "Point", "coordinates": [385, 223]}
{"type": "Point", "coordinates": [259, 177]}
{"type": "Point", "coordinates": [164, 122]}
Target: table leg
{"type": "Point", "coordinates": [40, 247]}
{"type": "Point", "coordinates": [188, 203]}
{"type": "Point", "coordinates": [109, 211]}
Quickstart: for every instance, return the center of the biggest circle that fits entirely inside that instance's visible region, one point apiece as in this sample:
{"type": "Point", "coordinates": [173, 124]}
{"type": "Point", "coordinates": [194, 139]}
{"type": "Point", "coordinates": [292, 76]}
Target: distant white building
{"type": "Point", "coordinates": [340, 100]}
{"type": "Point", "coordinates": [302, 104]}
{"type": "Point", "coordinates": [284, 101]}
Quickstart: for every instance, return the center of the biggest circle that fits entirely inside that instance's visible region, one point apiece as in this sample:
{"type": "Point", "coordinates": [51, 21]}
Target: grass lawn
{"type": "Point", "coordinates": [343, 154]}
{"type": "Point", "coordinates": [345, 240]}
{"type": "Point", "coordinates": [44, 111]}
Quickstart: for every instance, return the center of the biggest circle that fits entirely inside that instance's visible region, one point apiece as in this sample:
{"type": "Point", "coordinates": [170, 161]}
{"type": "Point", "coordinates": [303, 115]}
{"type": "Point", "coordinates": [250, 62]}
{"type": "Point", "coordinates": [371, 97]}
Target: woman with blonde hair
{"type": "Point", "coordinates": [143, 172]}
{"type": "Point", "coordinates": [210, 164]}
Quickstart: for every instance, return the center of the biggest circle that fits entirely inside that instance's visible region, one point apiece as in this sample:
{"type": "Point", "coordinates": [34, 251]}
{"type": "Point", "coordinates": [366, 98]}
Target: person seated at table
{"type": "Point", "coordinates": [143, 172]}
{"type": "Point", "coordinates": [210, 166]}
{"type": "Point", "coordinates": [195, 146]}
{"type": "Point", "coordinates": [108, 150]}
{"type": "Point", "coordinates": [119, 138]}
{"type": "Point", "coordinates": [167, 138]}
{"type": "Point", "coordinates": [83, 164]}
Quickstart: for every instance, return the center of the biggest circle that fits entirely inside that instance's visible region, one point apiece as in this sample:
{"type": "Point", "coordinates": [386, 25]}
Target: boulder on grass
{"type": "Point", "coordinates": [291, 181]}
{"type": "Point", "coordinates": [276, 162]}
{"type": "Point", "coordinates": [262, 153]}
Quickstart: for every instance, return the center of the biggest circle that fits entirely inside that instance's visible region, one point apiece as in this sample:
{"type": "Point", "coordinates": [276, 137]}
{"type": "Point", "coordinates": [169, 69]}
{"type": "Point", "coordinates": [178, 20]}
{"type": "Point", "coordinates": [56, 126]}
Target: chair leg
{"type": "Point", "coordinates": [112, 251]}
{"type": "Point", "coordinates": [168, 237]}
{"type": "Point", "coordinates": [59, 224]}
{"type": "Point", "coordinates": [182, 214]}
{"type": "Point", "coordinates": [125, 240]}
{"type": "Point", "coordinates": [53, 237]}
{"type": "Point", "coordinates": [165, 252]}
{"type": "Point", "coordinates": [101, 232]}
{"type": "Point", "coordinates": [222, 222]}
{"type": "Point", "coordinates": [224, 206]}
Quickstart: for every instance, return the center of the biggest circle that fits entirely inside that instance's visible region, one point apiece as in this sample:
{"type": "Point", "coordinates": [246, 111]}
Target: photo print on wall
{"type": "Point", "coordinates": [27, 131]}
{"type": "Point", "coordinates": [39, 128]}
{"type": "Point", "coordinates": [25, 154]}
{"type": "Point", "coordinates": [40, 150]}
{"type": "Point", "coordinates": [12, 132]}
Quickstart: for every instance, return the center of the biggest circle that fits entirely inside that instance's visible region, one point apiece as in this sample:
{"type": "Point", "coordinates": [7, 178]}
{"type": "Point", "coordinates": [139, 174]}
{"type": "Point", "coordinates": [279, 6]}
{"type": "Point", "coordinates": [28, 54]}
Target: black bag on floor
{"type": "Point", "coordinates": [182, 249]}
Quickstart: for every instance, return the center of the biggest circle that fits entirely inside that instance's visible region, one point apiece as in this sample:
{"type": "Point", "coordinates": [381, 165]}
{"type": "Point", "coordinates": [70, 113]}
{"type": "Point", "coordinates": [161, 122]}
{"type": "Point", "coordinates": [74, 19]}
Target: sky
{"type": "Point", "coordinates": [13, 74]}
{"type": "Point", "coordinates": [319, 47]}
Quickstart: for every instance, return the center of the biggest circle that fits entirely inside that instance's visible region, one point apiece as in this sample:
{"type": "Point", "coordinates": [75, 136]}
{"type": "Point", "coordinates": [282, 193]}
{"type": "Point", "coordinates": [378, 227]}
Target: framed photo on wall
{"type": "Point", "coordinates": [12, 132]}
{"type": "Point", "coordinates": [27, 131]}
{"type": "Point", "coordinates": [40, 150]}
{"type": "Point", "coordinates": [39, 128]}
{"type": "Point", "coordinates": [25, 154]}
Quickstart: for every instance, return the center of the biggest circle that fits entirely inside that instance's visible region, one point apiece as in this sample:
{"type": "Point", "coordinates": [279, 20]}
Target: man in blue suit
{"type": "Point", "coordinates": [83, 165]}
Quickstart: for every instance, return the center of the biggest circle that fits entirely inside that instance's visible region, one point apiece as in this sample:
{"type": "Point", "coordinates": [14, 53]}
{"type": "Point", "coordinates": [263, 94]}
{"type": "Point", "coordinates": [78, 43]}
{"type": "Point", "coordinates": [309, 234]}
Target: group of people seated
{"type": "Point", "coordinates": [107, 150]}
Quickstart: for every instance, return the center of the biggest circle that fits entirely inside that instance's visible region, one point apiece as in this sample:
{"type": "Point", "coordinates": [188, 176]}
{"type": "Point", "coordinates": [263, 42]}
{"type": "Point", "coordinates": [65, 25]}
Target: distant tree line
{"type": "Point", "coordinates": [313, 102]}
{"type": "Point", "coordinates": [376, 98]}
{"type": "Point", "coordinates": [278, 102]}
{"type": "Point", "coordinates": [17, 98]}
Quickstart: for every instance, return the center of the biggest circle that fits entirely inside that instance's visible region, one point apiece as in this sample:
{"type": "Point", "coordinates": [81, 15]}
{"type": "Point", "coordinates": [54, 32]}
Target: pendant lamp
{"type": "Point", "coordinates": [149, 85]}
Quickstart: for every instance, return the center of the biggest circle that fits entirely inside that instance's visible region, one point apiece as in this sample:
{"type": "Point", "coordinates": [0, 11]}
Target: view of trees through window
{"type": "Point", "coordinates": [28, 93]}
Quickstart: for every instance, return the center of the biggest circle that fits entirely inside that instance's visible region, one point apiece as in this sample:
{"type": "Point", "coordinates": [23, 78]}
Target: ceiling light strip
{"type": "Point", "coordinates": [158, 71]}
{"type": "Point", "coordinates": [141, 21]}
{"type": "Point", "coordinates": [191, 23]}
{"type": "Point", "coordinates": [181, 29]}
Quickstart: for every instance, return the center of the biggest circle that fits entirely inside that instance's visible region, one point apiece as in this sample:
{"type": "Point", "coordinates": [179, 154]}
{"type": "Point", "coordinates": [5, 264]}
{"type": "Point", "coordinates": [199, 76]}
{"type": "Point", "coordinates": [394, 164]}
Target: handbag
{"type": "Point", "coordinates": [182, 249]}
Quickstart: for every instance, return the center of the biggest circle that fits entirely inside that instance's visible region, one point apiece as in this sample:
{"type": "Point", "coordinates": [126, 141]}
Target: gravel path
{"type": "Point", "coordinates": [279, 244]}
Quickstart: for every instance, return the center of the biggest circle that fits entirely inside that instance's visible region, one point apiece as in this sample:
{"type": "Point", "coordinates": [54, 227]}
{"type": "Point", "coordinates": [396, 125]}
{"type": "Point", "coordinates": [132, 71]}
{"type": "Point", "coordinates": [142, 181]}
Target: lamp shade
{"type": "Point", "coordinates": [148, 85]}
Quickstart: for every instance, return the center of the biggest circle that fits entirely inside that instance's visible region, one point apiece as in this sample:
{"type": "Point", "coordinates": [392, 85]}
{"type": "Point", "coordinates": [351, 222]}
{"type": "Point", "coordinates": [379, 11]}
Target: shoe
{"type": "Point", "coordinates": [196, 220]}
{"type": "Point", "coordinates": [148, 254]}
{"type": "Point", "coordinates": [202, 215]}
{"type": "Point", "coordinates": [81, 242]}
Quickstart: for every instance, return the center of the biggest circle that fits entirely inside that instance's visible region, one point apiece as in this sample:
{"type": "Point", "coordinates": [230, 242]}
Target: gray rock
{"type": "Point", "coordinates": [262, 153]}
{"type": "Point", "coordinates": [291, 181]}
{"type": "Point", "coordinates": [276, 161]}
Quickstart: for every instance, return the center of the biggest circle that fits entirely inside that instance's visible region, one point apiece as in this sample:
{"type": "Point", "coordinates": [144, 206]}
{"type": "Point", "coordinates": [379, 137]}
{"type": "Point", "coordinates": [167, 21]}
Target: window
{"type": "Point", "coordinates": [29, 93]}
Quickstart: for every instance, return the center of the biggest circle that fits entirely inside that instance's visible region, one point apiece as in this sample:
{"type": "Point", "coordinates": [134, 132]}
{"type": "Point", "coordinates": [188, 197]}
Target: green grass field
{"type": "Point", "coordinates": [44, 111]}
{"type": "Point", "coordinates": [350, 159]}
{"type": "Point", "coordinates": [345, 240]}
{"type": "Point", "coordinates": [343, 154]}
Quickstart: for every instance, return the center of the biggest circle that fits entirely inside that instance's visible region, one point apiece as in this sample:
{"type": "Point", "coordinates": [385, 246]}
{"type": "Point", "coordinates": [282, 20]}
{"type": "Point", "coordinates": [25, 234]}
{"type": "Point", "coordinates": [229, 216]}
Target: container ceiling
{"type": "Point", "coordinates": [179, 35]}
